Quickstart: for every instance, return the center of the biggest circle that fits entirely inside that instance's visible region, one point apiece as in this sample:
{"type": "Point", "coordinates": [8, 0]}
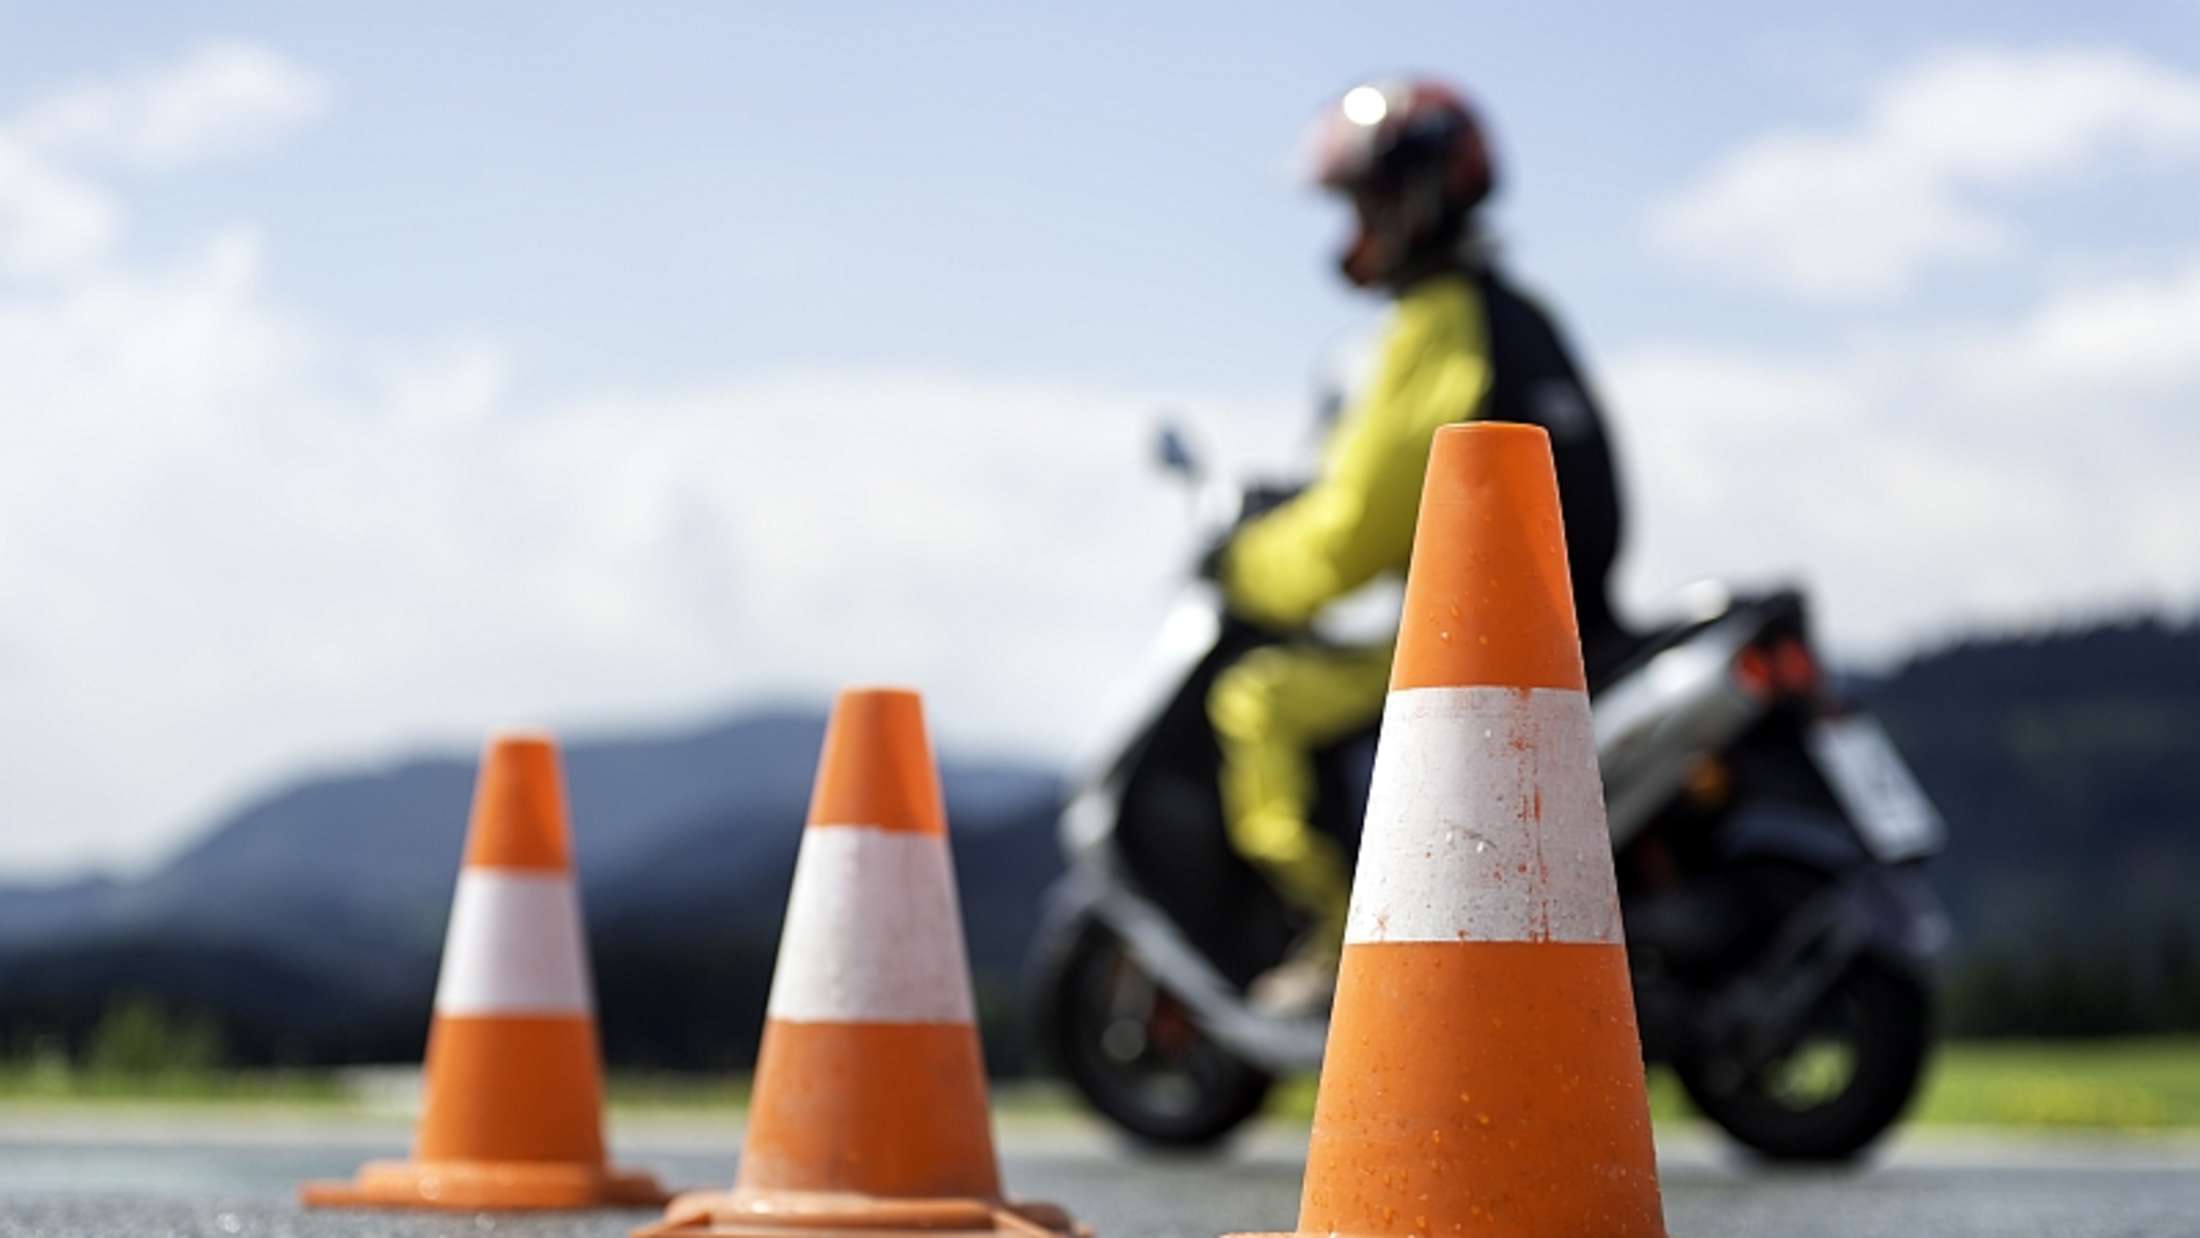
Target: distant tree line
{"type": "Point", "coordinates": [2068, 766]}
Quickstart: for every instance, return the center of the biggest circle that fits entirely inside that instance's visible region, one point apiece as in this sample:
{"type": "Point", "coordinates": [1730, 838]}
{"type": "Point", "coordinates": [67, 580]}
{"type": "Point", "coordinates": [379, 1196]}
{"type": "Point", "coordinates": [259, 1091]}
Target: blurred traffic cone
{"type": "Point", "coordinates": [513, 1116]}
{"type": "Point", "coordinates": [1483, 1074]}
{"type": "Point", "coordinates": [869, 1114]}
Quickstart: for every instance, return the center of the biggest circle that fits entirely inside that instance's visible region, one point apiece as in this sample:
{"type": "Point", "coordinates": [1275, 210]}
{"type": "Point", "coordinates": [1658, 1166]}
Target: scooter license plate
{"type": "Point", "coordinates": [1876, 788]}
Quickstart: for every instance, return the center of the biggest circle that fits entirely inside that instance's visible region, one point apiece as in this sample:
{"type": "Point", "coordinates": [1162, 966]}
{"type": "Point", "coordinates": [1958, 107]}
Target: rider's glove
{"type": "Point", "coordinates": [1211, 559]}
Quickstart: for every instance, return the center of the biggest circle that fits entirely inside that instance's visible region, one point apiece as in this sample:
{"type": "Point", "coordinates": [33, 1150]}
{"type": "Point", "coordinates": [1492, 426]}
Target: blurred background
{"type": "Point", "coordinates": [370, 382]}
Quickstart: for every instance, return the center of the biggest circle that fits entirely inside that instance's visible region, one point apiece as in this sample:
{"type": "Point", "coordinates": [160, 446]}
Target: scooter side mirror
{"type": "Point", "coordinates": [1175, 453]}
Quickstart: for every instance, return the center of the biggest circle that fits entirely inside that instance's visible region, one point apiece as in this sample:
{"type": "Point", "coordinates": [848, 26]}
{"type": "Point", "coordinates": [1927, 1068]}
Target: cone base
{"type": "Point", "coordinates": [804, 1214]}
{"type": "Point", "coordinates": [1276, 1234]}
{"type": "Point", "coordinates": [486, 1186]}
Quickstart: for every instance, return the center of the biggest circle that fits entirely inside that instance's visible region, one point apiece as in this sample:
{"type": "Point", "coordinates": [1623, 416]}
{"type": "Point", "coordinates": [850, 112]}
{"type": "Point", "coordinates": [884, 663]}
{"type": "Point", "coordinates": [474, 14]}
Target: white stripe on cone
{"type": "Point", "coordinates": [1485, 822]}
{"type": "Point", "coordinates": [873, 933]}
{"type": "Point", "coordinates": [514, 946]}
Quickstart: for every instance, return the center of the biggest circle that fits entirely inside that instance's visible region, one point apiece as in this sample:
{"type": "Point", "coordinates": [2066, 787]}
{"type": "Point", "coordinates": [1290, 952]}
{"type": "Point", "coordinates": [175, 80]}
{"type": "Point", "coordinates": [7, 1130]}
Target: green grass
{"type": "Point", "coordinates": [2151, 1084]}
{"type": "Point", "coordinates": [48, 1084]}
{"type": "Point", "coordinates": [654, 1091]}
{"type": "Point", "coordinates": [2125, 1085]}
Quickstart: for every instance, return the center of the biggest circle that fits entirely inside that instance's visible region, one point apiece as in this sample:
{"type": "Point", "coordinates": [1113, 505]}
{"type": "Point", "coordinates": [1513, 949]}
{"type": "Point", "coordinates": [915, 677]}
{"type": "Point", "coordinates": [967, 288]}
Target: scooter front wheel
{"type": "Point", "coordinates": [1136, 1055]}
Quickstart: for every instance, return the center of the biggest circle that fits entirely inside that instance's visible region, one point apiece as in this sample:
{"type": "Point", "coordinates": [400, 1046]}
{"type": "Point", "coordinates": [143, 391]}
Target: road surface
{"type": "Point", "coordinates": [75, 1173]}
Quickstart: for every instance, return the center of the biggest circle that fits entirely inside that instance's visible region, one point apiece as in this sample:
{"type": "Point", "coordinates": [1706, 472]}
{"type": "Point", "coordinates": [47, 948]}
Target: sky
{"type": "Point", "coordinates": [368, 381]}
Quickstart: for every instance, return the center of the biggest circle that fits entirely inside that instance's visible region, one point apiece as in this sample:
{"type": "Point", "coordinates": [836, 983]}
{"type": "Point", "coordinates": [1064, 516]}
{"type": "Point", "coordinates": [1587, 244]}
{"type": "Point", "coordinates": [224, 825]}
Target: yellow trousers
{"type": "Point", "coordinates": [1270, 711]}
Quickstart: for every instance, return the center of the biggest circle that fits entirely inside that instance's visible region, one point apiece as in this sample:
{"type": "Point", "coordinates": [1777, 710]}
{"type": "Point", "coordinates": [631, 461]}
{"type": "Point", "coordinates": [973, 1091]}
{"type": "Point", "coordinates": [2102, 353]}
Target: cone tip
{"type": "Point", "coordinates": [876, 768]}
{"type": "Point", "coordinates": [1489, 598]}
{"type": "Point", "coordinates": [520, 741]}
{"type": "Point", "coordinates": [1471, 448]}
{"type": "Point", "coordinates": [876, 695]}
{"type": "Point", "coordinates": [519, 805]}
{"type": "Point", "coordinates": [1460, 431]}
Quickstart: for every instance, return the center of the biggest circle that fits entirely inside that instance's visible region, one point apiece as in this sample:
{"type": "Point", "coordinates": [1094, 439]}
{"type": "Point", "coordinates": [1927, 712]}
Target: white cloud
{"type": "Point", "coordinates": [240, 542]}
{"type": "Point", "coordinates": [1862, 211]}
{"type": "Point", "coordinates": [49, 220]}
{"type": "Point", "coordinates": [2132, 336]}
{"type": "Point", "coordinates": [223, 98]}
{"type": "Point", "coordinates": [1999, 471]}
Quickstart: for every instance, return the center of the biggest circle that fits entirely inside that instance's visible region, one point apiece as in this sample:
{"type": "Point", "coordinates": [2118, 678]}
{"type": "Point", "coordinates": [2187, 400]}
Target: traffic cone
{"type": "Point", "coordinates": [513, 1116]}
{"type": "Point", "coordinates": [869, 1112]}
{"type": "Point", "coordinates": [1483, 1073]}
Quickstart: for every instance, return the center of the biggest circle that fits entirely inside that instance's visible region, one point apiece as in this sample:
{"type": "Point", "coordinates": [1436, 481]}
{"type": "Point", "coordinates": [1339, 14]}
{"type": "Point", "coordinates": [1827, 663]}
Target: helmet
{"type": "Point", "coordinates": [1415, 163]}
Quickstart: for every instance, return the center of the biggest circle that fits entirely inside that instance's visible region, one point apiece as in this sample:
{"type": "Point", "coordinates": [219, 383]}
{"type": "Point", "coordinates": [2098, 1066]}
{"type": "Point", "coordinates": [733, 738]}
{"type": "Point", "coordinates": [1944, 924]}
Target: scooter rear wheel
{"type": "Point", "coordinates": [1136, 1055]}
{"type": "Point", "coordinates": [1838, 1090]}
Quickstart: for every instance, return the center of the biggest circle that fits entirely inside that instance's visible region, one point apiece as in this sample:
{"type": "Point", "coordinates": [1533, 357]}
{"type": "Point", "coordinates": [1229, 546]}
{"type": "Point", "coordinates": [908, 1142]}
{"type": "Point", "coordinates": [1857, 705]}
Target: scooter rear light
{"type": "Point", "coordinates": [1753, 672]}
{"type": "Point", "coordinates": [1785, 669]}
{"type": "Point", "coordinates": [1794, 669]}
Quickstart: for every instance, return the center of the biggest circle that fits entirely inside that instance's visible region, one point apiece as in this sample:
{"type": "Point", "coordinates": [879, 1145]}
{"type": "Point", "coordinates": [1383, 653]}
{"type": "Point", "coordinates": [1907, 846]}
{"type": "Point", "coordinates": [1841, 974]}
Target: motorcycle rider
{"type": "Point", "coordinates": [1461, 344]}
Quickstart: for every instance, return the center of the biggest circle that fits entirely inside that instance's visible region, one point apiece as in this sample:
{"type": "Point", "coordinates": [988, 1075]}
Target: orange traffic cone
{"type": "Point", "coordinates": [514, 1092]}
{"type": "Point", "coordinates": [1483, 1074]}
{"type": "Point", "coordinates": [869, 1114]}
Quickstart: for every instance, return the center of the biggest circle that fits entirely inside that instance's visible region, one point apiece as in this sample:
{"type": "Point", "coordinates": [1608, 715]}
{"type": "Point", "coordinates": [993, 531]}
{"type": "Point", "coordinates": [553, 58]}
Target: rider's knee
{"type": "Point", "coordinates": [1271, 839]}
{"type": "Point", "coordinates": [1241, 705]}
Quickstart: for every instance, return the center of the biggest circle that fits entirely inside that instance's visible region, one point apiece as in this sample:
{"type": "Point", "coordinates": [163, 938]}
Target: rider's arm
{"type": "Point", "coordinates": [1356, 521]}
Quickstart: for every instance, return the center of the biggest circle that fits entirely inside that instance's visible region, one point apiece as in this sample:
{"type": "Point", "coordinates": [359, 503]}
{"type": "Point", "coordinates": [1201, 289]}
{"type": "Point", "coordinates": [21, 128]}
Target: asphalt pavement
{"type": "Point", "coordinates": [72, 1174]}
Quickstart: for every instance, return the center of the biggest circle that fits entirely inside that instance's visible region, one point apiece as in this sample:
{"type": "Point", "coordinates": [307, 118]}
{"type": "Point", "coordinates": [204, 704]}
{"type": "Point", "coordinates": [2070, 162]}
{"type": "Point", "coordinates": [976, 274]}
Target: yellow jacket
{"type": "Point", "coordinates": [1356, 521]}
